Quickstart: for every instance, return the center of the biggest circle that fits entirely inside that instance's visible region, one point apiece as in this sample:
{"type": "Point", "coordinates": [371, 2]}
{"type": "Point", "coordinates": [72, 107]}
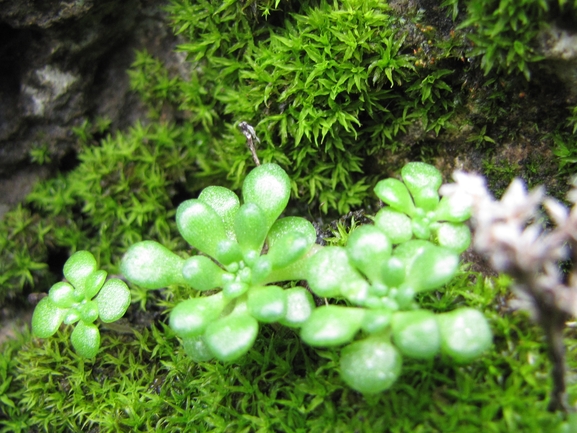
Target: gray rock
{"type": "Point", "coordinates": [62, 62]}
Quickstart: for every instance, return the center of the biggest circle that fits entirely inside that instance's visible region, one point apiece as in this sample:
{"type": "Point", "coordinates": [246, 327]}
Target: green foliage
{"type": "Point", "coordinates": [121, 192]}
{"type": "Point", "coordinates": [86, 296]}
{"type": "Point", "coordinates": [142, 381]}
{"type": "Point", "coordinates": [231, 237]}
{"type": "Point", "coordinates": [319, 81]}
{"type": "Point", "coordinates": [382, 282]}
{"type": "Point", "coordinates": [23, 251]}
{"type": "Point", "coordinates": [504, 32]}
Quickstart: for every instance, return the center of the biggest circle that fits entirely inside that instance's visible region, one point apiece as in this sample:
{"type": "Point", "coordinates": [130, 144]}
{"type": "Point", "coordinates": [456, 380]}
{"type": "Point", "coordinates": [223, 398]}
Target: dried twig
{"type": "Point", "coordinates": [510, 234]}
{"type": "Point", "coordinates": [250, 135]}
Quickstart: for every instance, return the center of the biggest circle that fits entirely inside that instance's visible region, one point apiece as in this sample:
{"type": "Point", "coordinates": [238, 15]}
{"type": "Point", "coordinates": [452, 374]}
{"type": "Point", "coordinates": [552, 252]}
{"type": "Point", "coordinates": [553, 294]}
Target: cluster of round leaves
{"type": "Point", "coordinates": [381, 281]}
{"type": "Point", "coordinates": [232, 239]}
{"type": "Point", "coordinates": [244, 248]}
{"type": "Point", "coordinates": [85, 297]}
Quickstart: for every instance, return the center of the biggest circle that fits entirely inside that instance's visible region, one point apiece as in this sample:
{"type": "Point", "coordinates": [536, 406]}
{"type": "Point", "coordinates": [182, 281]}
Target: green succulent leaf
{"type": "Point", "coordinates": [416, 334]}
{"type": "Point", "coordinates": [88, 312]}
{"type": "Point", "coordinates": [453, 209]}
{"type": "Point", "coordinates": [225, 203]}
{"type": "Point", "coordinates": [200, 226]}
{"type": "Point", "coordinates": [152, 266]}
{"type": "Point", "coordinates": [267, 303]}
{"type": "Point", "coordinates": [465, 334]}
{"type": "Point", "coordinates": [288, 250]}
{"type": "Point", "coordinates": [202, 274]}
{"type": "Point", "coordinates": [94, 283]}
{"type": "Point", "coordinates": [62, 295]}
{"type": "Point", "coordinates": [376, 320]}
{"type": "Point", "coordinates": [298, 270]}
{"type": "Point", "coordinates": [228, 251]}
{"type": "Point", "coordinates": [289, 225]}
{"type": "Point", "coordinates": [113, 300]}
{"type": "Point", "coordinates": [455, 236]}
{"type": "Point", "coordinates": [86, 339]}
{"type": "Point", "coordinates": [332, 325]}
{"type": "Point", "coordinates": [367, 248]}
{"type": "Point", "coordinates": [232, 336]}
{"type": "Point", "coordinates": [394, 193]}
{"type": "Point", "coordinates": [423, 181]}
{"type": "Point", "coordinates": [78, 267]}
{"type": "Point", "coordinates": [370, 366]}
{"type": "Point", "coordinates": [268, 186]}
{"type": "Point", "coordinates": [300, 305]}
{"type": "Point", "coordinates": [393, 271]}
{"type": "Point", "coordinates": [250, 226]}
{"type": "Point", "coordinates": [396, 225]}
{"type": "Point", "coordinates": [197, 349]}
{"type": "Point", "coordinates": [191, 317]}
{"type": "Point", "coordinates": [427, 266]}
{"type": "Point", "coordinates": [329, 270]}
{"type": "Point", "coordinates": [72, 316]}
{"type": "Point", "coordinates": [432, 268]}
{"type": "Point", "coordinates": [47, 318]}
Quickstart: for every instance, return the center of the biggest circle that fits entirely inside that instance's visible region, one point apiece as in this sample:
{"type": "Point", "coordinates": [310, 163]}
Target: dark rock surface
{"type": "Point", "coordinates": [62, 62]}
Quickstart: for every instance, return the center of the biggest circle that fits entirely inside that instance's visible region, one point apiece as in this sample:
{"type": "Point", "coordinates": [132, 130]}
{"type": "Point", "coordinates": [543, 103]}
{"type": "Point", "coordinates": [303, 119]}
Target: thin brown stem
{"type": "Point", "coordinates": [251, 137]}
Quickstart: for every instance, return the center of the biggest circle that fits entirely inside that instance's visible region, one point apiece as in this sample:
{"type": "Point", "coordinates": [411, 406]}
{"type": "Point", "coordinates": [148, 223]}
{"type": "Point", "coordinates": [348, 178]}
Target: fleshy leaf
{"type": "Point", "coordinates": [300, 305]}
{"type": "Point", "coordinates": [88, 312]}
{"type": "Point", "coordinates": [47, 318]}
{"type": "Point", "coordinates": [371, 365]}
{"type": "Point", "coordinates": [152, 266]}
{"type": "Point", "coordinates": [78, 267]}
{"type": "Point", "coordinates": [113, 300]}
{"type": "Point", "coordinates": [284, 226]}
{"type": "Point", "coordinates": [232, 336]}
{"type": "Point", "coordinates": [453, 209]}
{"type": "Point", "coordinates": [86, 339]}
{"type": "Point", "coordinates": [288, 250]}
{"type": "Point", "coordinates": [465, 334]}
{"type": "Point", "coordinates": [228, 251]}
{"type": "Point", "coordinates": [267, 303]}
{"type": "Point", "coordinates": [328, 270]}
{"type": "Point", "coordinates": [332, 325]}
{"type": "Point", "coordinates": [268, 186]}
{"type": "Point", "coordinates": [94, 283]}
{"type": "Point", "coordinates": [197, 349]}
{"type": "Point", "coordinates": [376, 320]}
{"type": "Point", "coordinates": [200, 226]}
{"type": "Point", "coordinates": [394, 193]}
{"type": "Point", "coordinates": [431, 268]}
{"type": "Point", "coordinates": [393, 272]}
{"type": "Point", "coordinates": [367, 248]}
{"type": "Point", "coordinates": [261, 269]}
{"type": "Point", "coordinates": [62, 294]}
{"type": "Point", "coordinates": [416, 334]}
{"type": "Point", "coordinates": [191, 317]}
{"type": "Point", "coordinates": [396, 225]}
{"type": "Point", "coordinates": [455, 236]}
{"type": "Point", "coordinates": [225, 203]}
{"type": "Point", "coordinates": [298, 270]}
{"type": "Point", "coordinates": [423, 181]}
{"type": "Point", "coordinates": [250, 226]}
{"type": "Point", "coordinates": [202, 274]}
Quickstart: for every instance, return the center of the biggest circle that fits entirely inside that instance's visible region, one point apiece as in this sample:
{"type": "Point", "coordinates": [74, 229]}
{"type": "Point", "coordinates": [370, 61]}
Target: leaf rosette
{"type": "Point", "coordinates": [85, 297]}
{"type": "Point", "coordinates": [242, 249]}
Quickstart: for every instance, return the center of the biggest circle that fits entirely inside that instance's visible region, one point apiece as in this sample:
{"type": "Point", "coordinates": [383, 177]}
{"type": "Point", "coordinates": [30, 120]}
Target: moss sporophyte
{"type": "Point", "coordinates": [244, 249]}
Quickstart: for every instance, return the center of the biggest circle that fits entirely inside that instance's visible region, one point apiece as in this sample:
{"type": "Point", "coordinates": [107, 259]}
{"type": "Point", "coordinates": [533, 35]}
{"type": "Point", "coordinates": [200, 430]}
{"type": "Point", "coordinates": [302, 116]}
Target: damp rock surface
{"type": "Point", "coordinates": [61, 63]}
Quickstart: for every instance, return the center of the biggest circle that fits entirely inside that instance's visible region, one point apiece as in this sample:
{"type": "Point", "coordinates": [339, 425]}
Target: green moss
{"type": "Point", "coordinates": [142, 381]}
{"type": "Point", "coordinates": [504, 32]}
{"type": "Point", "coordinates": [318, 80]}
